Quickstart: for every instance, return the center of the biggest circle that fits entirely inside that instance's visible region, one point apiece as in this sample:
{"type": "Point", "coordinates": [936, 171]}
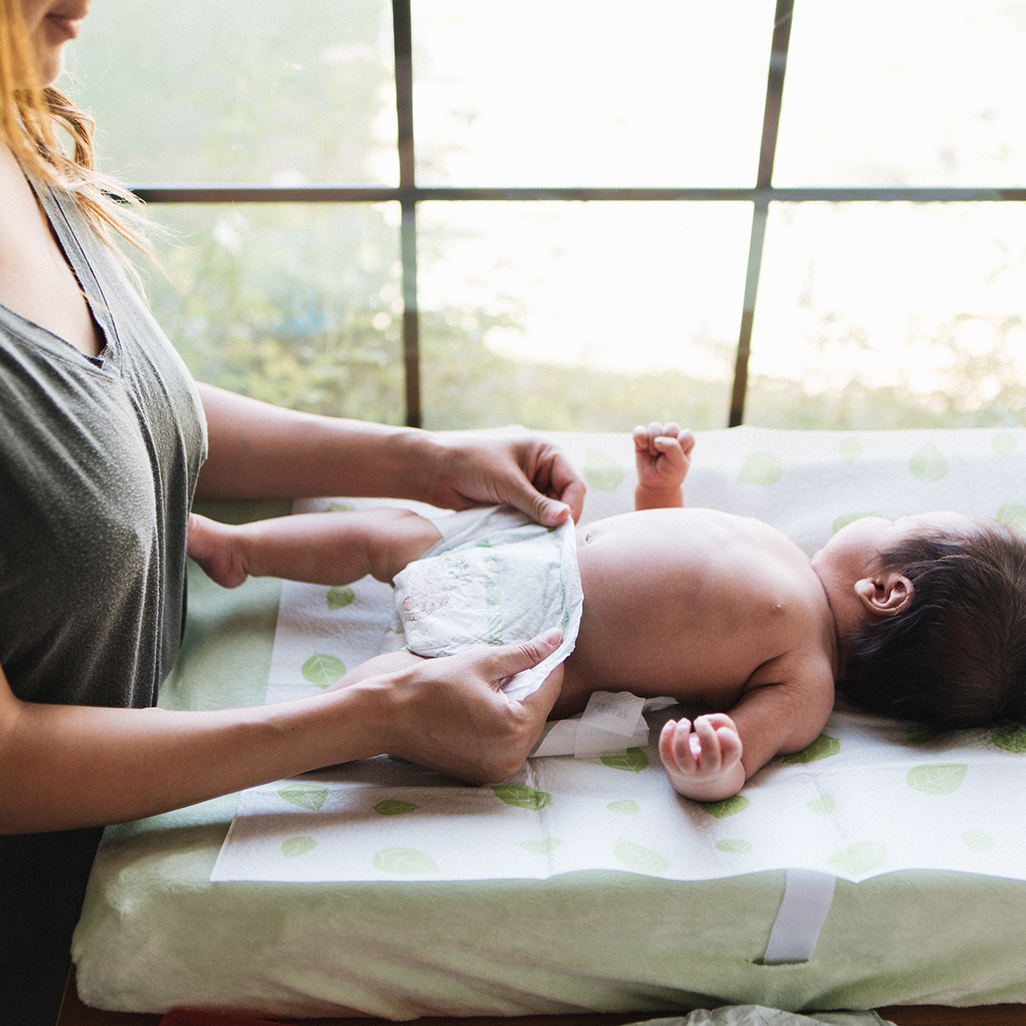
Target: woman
{"type": "Point", "coordinates": [105, 441]}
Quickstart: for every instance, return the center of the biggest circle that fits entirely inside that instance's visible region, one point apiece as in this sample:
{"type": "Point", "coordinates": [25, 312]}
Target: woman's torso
{"type": "Point", "coordinates": [97, 470]}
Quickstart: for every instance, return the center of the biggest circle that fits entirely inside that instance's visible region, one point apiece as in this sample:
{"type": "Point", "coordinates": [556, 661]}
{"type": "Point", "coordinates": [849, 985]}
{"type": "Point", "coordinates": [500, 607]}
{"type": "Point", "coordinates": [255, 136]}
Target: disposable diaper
{"type": "Point", "coordinates": [496, 578]}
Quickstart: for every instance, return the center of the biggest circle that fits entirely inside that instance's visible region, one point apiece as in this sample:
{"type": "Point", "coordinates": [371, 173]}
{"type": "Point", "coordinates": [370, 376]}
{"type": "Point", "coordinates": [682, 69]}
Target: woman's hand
{"type": "Point", "coordinates": [523, 471]}
{"type": "Point", "coordinates": [449, 713]}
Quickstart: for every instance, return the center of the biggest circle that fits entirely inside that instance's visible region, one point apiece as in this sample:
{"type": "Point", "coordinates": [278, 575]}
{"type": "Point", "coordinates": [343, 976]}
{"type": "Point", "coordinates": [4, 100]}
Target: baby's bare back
{"type": "Point", "coordinates": [695, 604]}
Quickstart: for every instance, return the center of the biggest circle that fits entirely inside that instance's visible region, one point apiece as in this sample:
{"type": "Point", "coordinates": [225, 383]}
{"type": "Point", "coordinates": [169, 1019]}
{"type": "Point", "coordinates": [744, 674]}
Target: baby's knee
{"type": "Point", "coordinates": [404, 536]}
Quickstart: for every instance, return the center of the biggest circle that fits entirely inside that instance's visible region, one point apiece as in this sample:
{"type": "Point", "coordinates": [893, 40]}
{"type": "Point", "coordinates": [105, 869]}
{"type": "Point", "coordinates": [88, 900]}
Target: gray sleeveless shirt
{"type": "Point", "coordinates": [98, 463]}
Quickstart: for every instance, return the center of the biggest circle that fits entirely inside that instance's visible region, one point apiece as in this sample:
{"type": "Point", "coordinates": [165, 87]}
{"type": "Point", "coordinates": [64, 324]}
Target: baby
{"type": "Point", "coordinates": [724, 613]}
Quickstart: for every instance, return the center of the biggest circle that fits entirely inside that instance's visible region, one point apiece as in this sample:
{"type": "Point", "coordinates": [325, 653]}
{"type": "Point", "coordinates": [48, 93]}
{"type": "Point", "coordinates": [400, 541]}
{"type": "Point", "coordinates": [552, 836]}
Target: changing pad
{"type": "Point", "coordinates": [653, 923]}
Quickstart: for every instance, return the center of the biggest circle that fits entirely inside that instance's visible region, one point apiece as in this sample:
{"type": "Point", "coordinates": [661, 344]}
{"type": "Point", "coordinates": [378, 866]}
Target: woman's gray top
{"type": "Point", "coordinates": [98, 462]}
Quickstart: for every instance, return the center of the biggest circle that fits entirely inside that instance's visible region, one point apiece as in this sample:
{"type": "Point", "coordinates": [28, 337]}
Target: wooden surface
{"type": "Point", "coordinates": [940, 1015]}
{"type": "Point", "coordinates": [74, 1013]}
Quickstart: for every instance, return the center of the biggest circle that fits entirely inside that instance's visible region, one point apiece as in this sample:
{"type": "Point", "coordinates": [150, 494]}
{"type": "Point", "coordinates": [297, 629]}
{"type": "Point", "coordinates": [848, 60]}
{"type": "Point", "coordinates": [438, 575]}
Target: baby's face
{"type": "Point", "coordinates": [859, 544]}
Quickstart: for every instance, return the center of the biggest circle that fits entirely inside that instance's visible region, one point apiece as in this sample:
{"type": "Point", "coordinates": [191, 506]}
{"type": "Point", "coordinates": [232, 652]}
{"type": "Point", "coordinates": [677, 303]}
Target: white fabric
{"type": "Point", "coordinates": [861, 801]}
{"type": "Point", "coordinates": [760, 1015]}
{"type": "Point", "coordinates": [867, 798]}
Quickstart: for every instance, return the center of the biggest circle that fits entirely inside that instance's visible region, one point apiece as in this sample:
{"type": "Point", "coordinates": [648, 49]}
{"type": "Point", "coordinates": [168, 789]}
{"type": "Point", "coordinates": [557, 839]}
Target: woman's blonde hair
{"type": "Point", "coordinates": [31, 116]}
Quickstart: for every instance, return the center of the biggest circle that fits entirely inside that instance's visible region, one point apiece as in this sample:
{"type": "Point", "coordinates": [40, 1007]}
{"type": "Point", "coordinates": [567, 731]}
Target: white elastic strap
{"type": "Point", "coordinates": [803, 911]}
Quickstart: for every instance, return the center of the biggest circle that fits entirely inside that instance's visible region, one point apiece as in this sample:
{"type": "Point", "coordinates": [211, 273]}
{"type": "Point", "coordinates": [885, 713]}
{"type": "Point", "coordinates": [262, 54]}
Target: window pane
{"type": "Point", "coordinates": [891, 315]}
{"type": "Point", "coordinates": [904, 92]}
{"type": "Point", "coordinates": [589, 92]}
{"type": "Point", "coordinates": [580, 316]}
{"type": "Point", "coordinates": [215, 91]}
{"type": "Point", "coordinates": [294, 304]}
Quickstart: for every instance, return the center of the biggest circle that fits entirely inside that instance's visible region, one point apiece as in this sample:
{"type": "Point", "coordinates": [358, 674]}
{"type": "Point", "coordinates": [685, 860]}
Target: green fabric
{"type": "Point", "coordinates": [156, 933]}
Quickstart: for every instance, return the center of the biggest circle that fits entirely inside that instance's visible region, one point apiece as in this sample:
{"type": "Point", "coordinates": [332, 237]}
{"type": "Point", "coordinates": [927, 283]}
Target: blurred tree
{"type": "Point", "coordinates": [301, 305]}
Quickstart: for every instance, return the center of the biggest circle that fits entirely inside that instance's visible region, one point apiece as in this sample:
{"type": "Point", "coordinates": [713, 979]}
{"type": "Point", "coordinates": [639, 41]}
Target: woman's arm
{"type": "Point", "coordinates": [261, 451]}
{"type": "Point", "coordinates": [72, 766]}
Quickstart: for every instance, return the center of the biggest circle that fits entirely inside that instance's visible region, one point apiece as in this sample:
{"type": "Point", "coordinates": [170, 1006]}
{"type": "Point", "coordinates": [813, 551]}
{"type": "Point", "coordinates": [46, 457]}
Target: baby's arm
{"type": "Point", "coordinates": [704, 765]}
{"type": "Point", "coordinates": [663, 454]}
{"type": "Point", "coordinates": [317, 548]}
{"type": "Point", "coordinates": [770, 719]}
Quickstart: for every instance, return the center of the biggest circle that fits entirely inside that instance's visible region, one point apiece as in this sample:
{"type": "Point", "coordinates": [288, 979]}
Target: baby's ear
{"type": "Point", "coordinates": [886, 593]}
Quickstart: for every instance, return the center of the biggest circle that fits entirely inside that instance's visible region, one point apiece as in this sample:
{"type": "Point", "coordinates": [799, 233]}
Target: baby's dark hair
{"type": "Point", "coordinates": [956, 657]}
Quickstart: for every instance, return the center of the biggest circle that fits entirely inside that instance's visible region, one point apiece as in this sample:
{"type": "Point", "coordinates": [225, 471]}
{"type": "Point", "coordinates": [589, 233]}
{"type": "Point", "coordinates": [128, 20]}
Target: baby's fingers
{"type": "Point", "coordinates": [711, 758]}
{"type": "Point", "coordinates": [675, 746]}
{"type": "Point", "coordinates": [724, 737]}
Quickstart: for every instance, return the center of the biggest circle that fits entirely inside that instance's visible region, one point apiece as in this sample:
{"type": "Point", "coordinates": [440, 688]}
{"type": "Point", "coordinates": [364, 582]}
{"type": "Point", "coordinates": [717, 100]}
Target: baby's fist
{"type": "Point", "coordinates": [663, 455]}
{"type": "Point", "coordinates": [704, 765]}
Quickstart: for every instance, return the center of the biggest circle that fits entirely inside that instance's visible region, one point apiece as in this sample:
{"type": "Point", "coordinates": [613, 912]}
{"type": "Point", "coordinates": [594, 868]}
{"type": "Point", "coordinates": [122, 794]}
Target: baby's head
{"type": "Point", "coordinates": [955, 654]}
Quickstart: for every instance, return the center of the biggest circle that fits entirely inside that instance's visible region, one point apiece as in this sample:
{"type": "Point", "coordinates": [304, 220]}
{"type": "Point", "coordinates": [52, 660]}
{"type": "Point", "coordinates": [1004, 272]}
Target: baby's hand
{"type": "Point", "coordinates": [704, 765]}
{"type": "Point", "coordinates": [663, 455]}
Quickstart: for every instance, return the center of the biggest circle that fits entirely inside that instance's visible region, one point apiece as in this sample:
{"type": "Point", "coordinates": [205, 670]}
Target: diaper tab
{"type": "Point", "coordinates": [608, 724]}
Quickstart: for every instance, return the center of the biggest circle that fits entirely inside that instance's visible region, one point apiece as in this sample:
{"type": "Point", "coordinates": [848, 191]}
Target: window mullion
{"type": "Point", "coordinates": [764, 181]}
{"type": "Point", "coordinates": [402, 30]}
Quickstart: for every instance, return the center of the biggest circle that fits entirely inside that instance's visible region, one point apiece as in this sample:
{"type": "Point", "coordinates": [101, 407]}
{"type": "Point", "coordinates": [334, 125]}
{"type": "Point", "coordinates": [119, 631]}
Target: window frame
{"type": "Point", "coordinates": [408, 194]}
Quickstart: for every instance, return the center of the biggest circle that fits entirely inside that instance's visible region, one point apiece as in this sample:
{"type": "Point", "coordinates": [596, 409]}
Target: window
{"type": "Point", "coordinates": [596, 213]}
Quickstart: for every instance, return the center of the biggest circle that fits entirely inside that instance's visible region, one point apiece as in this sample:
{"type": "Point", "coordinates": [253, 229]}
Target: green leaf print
{"type": "Point", "coordinates": [977, 840]}
{"type": "Point", "coordinates": [297, 846]}
{"type": "Point", "coordinates": [849, 518]}
{"type": "Point", "coordinates": [602, 472]}
{"type": "Point", "coordinates": [735, 847]}
{"type": "Point", "coordinates": [851, 449]}
{"type": "Point", "coordinates": [728, 807]}
{"type": "Point", "coordinates": [338, 507]}
{"type": "Point", "coordinates": [341, 596]}
{"type": "Point", "coordinates": [306, 796]}
{"type": "Point", "coordinates": [859, 858]}
{"type": "Point", "coordinates": [824, 804]}
{"type": "Point", "coordinates": [1004, 444]}
{"type": "Point", "coordinates": [761, 468]}
{"type": "Point", "coordinates": [937, 778]}
{"type": "Point", "coordinates": [404, 861]}
{"type": "Point", "coordinates": [522, 796]}
{"type": "Point", "coordinates": [550, 844]}
{"type": "Point", "coordinates": [394, 807]}
{"type": "Point", "coordinates": [822, 748]}
{"type": "Point", "coordinates": [928, 463]}
{"type": "Point", "coordinates": [626, 807]}
{"type": "Point", "coordinates": [1011, 740]}
{"type": "Point", "coordinates": [323, 670]}
{"type": "Point", "coordinates": [636, 856]}
{"type": "Point", "coordinates": [1013, 515]}
{"type": "Point", "coordinates": [634, 760]}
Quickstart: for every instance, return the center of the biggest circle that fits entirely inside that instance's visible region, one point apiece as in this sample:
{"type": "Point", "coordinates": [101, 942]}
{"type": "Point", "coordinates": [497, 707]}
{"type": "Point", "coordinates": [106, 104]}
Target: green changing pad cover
{"type": "Point", "coordinates": [157, 933]}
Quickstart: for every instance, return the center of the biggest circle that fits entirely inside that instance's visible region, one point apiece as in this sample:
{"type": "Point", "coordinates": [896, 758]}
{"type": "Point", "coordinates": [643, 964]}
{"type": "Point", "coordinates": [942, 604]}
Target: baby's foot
{"type": "Point", "coordinates": [210, 544]}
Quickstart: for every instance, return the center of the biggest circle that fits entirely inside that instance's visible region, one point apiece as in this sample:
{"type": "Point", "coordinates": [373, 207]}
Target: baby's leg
{"type": "Point", "coordinates": [395, 538]}
{"type": "Point", "coordinates": [387, 662]}
{"type": "Point", "coordinates": [316, 548]}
